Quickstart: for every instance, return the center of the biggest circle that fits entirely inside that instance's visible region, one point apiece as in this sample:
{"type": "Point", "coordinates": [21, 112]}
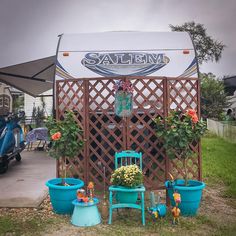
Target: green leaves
{"type": "Point", "coordinates": [69, 144]}
{"type": "Point", "coordinates": [214, 98]}
{"type": "Point", "coordinates": [177, 132]}
{"type": "Point", "coordinates": [207, 48]}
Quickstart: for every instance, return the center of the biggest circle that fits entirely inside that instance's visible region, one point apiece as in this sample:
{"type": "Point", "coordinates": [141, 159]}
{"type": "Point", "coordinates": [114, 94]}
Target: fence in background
{"type": "Point", "coordinates": [226, 130]}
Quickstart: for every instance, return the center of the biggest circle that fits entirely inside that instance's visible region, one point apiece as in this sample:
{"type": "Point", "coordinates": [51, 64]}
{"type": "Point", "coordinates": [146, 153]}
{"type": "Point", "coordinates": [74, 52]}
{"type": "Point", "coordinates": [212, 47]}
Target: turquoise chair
{"type": "Point", "coordinates": [126, 158]}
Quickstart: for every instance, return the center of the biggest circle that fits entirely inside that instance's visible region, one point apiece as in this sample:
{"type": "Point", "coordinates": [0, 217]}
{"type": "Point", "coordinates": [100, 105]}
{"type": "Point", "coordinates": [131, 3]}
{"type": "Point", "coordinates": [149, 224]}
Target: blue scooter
{"type": "Point", "coordinates": [11, 140]}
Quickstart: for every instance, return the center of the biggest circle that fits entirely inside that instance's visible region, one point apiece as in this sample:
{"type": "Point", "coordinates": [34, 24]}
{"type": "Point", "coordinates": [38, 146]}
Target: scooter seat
{"type": "Point", "coordinates": [2, 125]}
{"type": "Point", "coordinates": [1, 130]}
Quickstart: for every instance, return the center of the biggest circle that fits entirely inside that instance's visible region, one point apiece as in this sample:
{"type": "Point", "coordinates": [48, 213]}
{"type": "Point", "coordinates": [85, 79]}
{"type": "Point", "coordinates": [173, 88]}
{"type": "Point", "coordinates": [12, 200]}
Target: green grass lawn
{"type": "Point", "coordinates": [219, 163]}
{"type": "Point", "coordinates": [30, 226]}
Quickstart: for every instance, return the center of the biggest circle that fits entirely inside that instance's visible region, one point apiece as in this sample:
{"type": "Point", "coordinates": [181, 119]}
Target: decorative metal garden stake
{"type": "Point", "coordinates": [157, 210]}
{"type": "Point", "coordinates": [90, 191]}
{"type": "Point", "coordinates": [176, 211]}
{"type": "Point", "coordinates": [81, 195]}
{"type": "Point", "coordinates": [104, 202]}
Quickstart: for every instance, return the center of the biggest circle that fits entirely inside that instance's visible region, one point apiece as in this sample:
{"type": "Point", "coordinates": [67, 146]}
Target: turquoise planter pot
{"type": "Point", "coordinates": [126, 197]}
{"type": "Point", "coordinates": [190, 195]}
{"type": "Point", "coordinates": [62, 196]}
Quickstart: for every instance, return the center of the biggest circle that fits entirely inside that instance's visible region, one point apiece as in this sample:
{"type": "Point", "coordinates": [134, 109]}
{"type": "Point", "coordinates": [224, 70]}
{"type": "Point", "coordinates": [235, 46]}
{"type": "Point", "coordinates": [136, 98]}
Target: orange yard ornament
{"type": "Point", "coordinates": [90, 191]}
{"type": "Point", "coordinates": [175, 210]}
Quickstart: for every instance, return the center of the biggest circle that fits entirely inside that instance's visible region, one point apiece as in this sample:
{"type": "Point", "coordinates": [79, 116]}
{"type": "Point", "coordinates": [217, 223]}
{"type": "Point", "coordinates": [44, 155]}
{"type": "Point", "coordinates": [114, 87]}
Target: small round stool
{"type": "Point", "coordinates": [85, 214]}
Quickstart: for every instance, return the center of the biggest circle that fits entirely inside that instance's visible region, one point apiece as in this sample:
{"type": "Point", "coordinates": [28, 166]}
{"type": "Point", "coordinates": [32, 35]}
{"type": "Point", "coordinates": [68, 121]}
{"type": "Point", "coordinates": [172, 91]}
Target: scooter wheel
{"type": "Point", "coordinates": [3, 167]}
{"type": "Point", "coordinates": [18, 157]}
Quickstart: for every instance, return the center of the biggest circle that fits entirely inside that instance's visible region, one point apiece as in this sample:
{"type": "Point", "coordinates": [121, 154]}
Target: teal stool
{"type": "Point", "coordinates": [85, 214]}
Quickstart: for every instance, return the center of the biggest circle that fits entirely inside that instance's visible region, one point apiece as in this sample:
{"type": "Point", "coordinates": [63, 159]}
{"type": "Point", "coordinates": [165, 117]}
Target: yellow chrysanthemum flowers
{"type": "Point", "coordinates": [128, 176]}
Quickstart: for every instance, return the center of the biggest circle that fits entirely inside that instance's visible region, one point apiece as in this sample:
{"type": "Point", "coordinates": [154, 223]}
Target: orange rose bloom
{"type": "Point", "coordinates": [56, 136]}
{"type": "Point", "coordinates": [191, 112]}
{"type": "Point", "coordinates": [194, 119]}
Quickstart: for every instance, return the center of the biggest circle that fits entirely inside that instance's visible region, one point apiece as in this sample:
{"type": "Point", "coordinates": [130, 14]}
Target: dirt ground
{"type": "Point", "coordinates": [217, 216]}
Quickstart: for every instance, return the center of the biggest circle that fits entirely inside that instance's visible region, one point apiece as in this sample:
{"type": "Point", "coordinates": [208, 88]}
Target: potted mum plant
{"type": "Point", "coordinates": [129, 176]}
{"type": "Point", "coordinates": [178, 132]}
{"type": "Point", "coordinates": [65, 143]}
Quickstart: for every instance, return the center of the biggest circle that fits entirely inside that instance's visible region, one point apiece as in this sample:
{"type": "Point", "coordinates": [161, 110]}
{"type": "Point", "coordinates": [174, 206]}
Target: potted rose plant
{"type": "Point", "coordinates": [129, 176]}
{"type": "Point", "coordinates": [178, 132]}
{"type": "Point", "coordinates": [65, 144]}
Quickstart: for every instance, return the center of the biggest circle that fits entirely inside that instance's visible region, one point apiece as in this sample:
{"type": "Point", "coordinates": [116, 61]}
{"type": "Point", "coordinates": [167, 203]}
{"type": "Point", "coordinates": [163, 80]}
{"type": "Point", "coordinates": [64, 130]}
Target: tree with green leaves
{"type": "Point", "coordinates": [38, 113]}
{"type": "Point", "coordinates": [64, 137]}
{"type": "Point", "coordinates": [17, 103]}
{"type": "Point", "coordinates": [214, 98]}
{"type": "Point", "coordinates": [207, 48]}
{"type": "Point", "coordinates": [178, 131]}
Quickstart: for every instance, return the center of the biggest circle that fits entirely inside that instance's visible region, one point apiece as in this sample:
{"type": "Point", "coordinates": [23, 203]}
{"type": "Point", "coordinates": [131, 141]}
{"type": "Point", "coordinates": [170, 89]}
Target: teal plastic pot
{"type": "Point", "coordinates": [190, 195]}
{"type": "Point", "coordinates": [126, 197]}
{"type": "Point", "coordinates": [62, 196]}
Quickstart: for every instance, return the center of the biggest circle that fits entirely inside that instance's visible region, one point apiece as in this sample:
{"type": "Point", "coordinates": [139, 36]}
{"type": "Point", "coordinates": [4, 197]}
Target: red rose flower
{"type": "Point", "coordinates": [56, 136]}
{"type": "Point", "coordinates": [194, 119]}
{"type": "Point", "coordinates": [191, 112]}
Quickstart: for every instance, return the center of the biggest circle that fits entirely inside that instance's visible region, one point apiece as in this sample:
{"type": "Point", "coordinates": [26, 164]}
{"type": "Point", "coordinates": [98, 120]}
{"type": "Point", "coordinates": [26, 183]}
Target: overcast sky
{"type": "Point", "coordinates": [29, 28]}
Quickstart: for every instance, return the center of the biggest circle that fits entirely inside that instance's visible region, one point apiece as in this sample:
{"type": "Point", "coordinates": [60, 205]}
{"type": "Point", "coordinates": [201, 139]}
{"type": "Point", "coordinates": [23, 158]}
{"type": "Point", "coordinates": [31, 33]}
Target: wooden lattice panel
{"type": "Point", "coordinates": [105, 130]}
{"type": "Point", "coordinates": [177, 167]}
{"type": "Point", "coordinates": [70, 96]}
{"type": "Point", "coordinates": [183, 95]}
{"type": "Point", "coordinates": [105, 133]}
{"type": "Point", "coordinates": [148, 101]}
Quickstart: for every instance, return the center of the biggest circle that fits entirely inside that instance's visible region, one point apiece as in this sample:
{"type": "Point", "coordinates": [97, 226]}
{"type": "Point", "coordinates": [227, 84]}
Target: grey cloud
{"type": "Point", "coordinates": [29, 28]}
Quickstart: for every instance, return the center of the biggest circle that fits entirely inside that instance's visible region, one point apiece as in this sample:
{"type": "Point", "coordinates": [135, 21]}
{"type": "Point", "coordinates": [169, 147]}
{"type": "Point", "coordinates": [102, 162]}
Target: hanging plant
{"type": "Point", "coordinates": [123, 98]}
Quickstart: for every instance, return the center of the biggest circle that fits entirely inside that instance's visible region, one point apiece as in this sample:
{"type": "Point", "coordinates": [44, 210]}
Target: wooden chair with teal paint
{"type": "Point", "coordinates": [125, 158]}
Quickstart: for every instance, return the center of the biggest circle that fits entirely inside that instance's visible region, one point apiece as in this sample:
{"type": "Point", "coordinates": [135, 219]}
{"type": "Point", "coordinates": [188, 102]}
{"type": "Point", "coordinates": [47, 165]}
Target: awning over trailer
{"type": "Point", "coordinates": [33, 78]}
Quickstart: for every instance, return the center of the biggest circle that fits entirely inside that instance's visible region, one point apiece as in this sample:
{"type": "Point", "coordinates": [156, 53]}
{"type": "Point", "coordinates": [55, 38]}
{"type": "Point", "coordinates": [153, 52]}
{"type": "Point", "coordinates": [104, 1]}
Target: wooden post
{"type": "Point", "coordinates": [165, 113]}
{"type": "Point", "coordinates": [199, 144]}
{"type": "Point", "coordinates": [86, 130]}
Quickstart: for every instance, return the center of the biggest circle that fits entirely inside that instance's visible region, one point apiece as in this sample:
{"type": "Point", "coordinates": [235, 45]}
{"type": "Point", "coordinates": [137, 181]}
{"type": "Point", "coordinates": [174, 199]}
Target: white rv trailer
{"type": "Point", "coordinates": [148, 55]}
{"type": "Point", "coordinates": [88, 55]}
{"type": "Point", "coordinates": [95, 56]}
{"type": "Point", "coordinates": [169, 54]}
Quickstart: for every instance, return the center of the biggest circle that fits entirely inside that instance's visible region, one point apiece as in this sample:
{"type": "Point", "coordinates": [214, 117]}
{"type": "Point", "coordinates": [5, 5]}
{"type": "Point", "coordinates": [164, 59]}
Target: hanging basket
{"type": "Point", "coordinates": [123, 103]}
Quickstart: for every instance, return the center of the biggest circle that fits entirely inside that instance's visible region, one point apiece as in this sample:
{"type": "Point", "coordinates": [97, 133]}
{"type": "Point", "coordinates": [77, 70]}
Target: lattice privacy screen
{"type": "Point", "coordinates": [105, 133]}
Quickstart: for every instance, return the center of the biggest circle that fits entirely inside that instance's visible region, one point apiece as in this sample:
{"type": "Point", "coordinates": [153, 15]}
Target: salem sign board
{"type": "Point", "coordinates": [110, 54]}
{"type": "Point", "coordinates": [127, 63]}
